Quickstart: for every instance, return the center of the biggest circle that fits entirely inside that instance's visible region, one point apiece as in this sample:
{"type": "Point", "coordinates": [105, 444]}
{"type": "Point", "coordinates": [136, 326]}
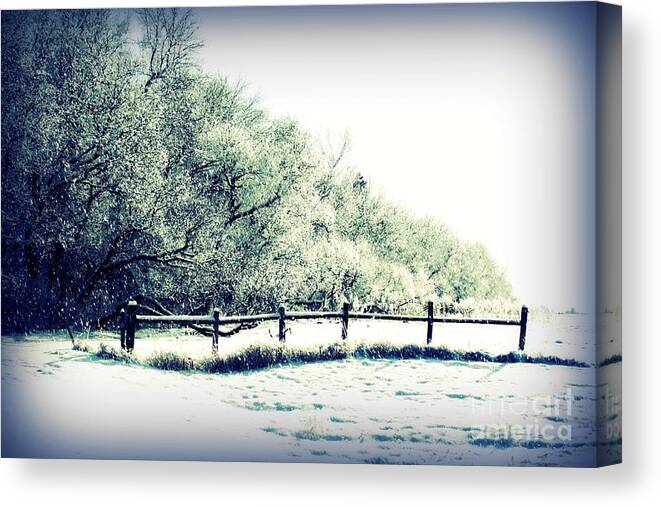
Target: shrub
{"type": "Point", "coordinates": [107, 352]}
{"type": "Point", "coordinates": [169, 361]}
{"type": "Point", "coordinates": [82, 346]}
{"type": "Point", "coordinates": [259, 356]}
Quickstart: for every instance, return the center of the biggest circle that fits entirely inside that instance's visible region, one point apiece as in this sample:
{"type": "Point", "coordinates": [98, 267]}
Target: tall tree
{"type": "Point", "coordinates": [126, 170]}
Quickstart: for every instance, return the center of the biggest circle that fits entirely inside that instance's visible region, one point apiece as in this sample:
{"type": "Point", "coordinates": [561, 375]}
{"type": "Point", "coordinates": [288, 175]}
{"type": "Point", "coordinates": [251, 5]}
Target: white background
{"type": "Point", "coordinates": [635, 482]}
{"type": "Point", "coordinates": [492, 109]}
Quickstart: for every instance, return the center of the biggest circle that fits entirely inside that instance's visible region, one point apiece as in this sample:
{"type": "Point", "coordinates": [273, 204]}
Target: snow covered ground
{"type": "Point", "coordinates": [60, 403]}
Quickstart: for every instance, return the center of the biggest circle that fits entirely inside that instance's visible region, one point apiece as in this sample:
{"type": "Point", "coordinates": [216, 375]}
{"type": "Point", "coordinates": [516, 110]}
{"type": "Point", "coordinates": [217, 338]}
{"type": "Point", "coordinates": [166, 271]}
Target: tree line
{"type": "Point", "coordinates": [128, 170]}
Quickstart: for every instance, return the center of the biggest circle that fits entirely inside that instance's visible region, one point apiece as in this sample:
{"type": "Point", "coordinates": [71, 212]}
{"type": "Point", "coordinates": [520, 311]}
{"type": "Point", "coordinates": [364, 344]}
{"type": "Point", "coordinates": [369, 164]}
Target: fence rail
{"type": "Point", "coordinates": [129, 320]}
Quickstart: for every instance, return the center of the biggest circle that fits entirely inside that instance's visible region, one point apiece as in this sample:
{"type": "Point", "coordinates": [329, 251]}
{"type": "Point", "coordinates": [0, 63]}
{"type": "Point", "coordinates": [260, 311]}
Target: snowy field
{"type": "Point", "coordinates": [60, 403]}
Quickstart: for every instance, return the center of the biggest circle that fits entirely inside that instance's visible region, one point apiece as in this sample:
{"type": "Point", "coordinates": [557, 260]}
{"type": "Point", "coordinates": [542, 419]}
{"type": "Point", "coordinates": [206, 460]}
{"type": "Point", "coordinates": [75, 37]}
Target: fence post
{"type": "Point", "coordinates": [216, 325]}
{"type": "Point", "coordinates": [345, 320]}
{"type": "Point", "coordinates": [131, 324]}
{"type": "Point", "coordinates": [430, 320]}
{"type": "Point", "coordinates": [523, 327]}
{"type": "Point", "coordinates": [281, 324]}
{"type": "Point", "coordinates": [122, 328]}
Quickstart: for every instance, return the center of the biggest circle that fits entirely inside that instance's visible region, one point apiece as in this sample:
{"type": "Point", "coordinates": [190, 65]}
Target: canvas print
{"type": "Point", "coordinates": [377, 234]}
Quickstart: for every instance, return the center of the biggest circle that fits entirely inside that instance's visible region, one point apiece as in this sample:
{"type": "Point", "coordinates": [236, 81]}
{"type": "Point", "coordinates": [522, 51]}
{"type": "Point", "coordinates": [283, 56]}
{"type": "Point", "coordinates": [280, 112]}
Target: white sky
{"type": "Point", "coordinates": [481, 116]}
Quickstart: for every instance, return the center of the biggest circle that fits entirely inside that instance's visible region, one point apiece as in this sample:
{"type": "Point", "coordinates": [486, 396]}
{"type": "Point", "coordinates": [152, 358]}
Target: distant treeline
{"type": "Point", "coordinates": [126, 170]}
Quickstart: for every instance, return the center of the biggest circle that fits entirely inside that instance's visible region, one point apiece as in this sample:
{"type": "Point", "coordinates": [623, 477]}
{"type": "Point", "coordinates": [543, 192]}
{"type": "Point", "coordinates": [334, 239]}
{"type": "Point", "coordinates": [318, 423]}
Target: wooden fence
{"type": "Point", "coordinates": [130, 318]}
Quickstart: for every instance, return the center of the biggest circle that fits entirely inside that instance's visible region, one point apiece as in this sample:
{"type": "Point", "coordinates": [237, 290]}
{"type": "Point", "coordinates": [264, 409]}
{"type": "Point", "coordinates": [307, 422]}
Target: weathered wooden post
{"type": "Point", "coordinates": [122, 328]}
{"type": "Point", "coordinates": [216, 332]}
{"type": "Point", "coordinates": [430, 320]}
{"type": "Point", "coordinates": [281, 324]}
{"type": "Point", "coordinates": [131, 324]}
{"type": "Point", "coordinates": [523, 327]}
{"type": "Point", "coordinates": [345, 320]}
